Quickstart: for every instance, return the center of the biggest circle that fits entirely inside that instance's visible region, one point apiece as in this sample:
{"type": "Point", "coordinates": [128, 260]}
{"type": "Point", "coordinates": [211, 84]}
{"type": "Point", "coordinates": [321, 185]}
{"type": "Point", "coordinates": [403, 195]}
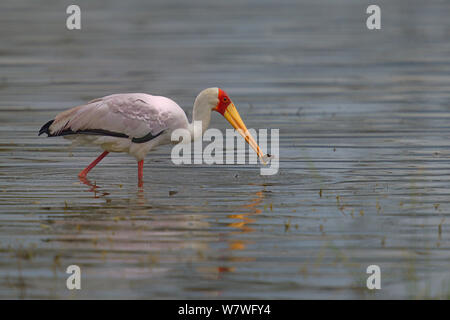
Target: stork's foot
{"type": "Point", "coordinates": [84, 180]}
{"type": "Point", "coordinates": [88, 183]}
{"type": "Point", "coordinates": [83, 174]}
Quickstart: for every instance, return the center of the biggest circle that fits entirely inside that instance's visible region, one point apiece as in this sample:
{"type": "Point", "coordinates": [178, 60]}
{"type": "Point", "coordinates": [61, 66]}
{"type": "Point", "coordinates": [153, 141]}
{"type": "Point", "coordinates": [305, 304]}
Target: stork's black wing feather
{"type": "Point", "coordinates": [97, 132]}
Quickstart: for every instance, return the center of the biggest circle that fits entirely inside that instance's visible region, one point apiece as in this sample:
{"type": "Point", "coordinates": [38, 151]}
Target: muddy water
{"type": "Point", "coordinates": [364, 152]}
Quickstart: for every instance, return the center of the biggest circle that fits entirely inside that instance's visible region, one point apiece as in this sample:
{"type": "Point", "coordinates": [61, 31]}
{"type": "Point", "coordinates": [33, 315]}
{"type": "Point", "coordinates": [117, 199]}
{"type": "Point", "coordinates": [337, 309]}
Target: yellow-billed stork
{"type": "Point", "coordinates": [137, 122]}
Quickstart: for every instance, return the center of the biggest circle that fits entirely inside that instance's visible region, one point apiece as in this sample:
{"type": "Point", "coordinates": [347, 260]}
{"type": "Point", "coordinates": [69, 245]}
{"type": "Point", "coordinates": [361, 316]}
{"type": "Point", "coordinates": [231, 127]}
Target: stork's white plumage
{"type": "Point", "coordinates": [137, 122]}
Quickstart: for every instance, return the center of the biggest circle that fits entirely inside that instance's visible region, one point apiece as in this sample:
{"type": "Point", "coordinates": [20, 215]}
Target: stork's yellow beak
{"type": "Point", "coordinates": [233, 117]}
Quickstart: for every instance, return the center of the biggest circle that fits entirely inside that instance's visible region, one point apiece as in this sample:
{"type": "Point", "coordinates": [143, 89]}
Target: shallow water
{"type": "Point", "coordinates": [364, 152]}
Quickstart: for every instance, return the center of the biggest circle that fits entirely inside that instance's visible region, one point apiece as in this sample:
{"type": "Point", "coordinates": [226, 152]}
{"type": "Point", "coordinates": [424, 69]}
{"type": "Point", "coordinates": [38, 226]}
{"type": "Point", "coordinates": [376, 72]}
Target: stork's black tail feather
{"type": "Point", "coordinates": [45, 128]}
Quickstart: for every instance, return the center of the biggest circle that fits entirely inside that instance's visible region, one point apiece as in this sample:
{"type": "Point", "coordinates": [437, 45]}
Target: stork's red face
{"type": "Point", "coordinates": [224, 102]}
{"type": "Point", "coordinates": [227, 108]}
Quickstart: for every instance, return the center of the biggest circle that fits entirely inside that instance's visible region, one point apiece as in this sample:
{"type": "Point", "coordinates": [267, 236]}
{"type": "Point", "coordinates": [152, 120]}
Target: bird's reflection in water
{"type": "Point", "coordinates": [243, 219]}
{"type": "Point", "coordinates": [137, 234]}
{"type": "Point", "coordinates": [142, 229]}
{"type": "Point", "coordinates": [240, 226]}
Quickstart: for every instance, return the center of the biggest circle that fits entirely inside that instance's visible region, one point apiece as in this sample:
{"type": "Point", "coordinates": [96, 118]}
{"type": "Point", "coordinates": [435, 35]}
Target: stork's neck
{"type": "Point", "coordinates": [201, 117]}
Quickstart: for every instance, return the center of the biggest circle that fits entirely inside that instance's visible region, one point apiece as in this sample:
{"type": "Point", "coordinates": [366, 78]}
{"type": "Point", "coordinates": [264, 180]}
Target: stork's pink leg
{"type": "Point", "coordinates": [84, 173]}
{"type": "Point", "coordinates": [141, 173]}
